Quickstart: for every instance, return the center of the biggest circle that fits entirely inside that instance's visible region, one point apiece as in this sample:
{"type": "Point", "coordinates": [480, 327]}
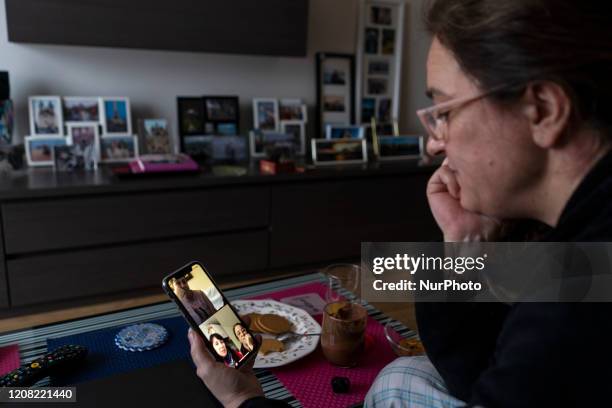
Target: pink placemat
{"type": "Point", "coordinates": [9, 359]}
{"type": "Point", "coordinates": [309, 379]}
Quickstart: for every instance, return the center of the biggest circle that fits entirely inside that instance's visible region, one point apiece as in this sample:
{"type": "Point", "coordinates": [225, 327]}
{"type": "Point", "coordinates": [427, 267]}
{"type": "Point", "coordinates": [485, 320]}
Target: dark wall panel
{"type": "Point", "coordinates": [263, 27]}
{"type": "Point", "coordinates": [77, 274]}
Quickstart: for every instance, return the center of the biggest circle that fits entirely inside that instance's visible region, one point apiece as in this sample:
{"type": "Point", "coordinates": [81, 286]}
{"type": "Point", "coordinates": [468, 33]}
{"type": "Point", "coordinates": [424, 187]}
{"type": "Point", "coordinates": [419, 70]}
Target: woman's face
{"type": "Point", "coordinates": [489, 148]}
{"type": "Point", "coordinates": [219, 347]}
{"type": "Point", "coordinates": [242, 334]}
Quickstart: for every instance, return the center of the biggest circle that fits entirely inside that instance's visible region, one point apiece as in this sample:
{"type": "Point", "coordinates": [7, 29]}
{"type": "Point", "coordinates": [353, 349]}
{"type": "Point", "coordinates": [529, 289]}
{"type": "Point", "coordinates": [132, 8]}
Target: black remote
{"type": "Point", "coordinates": [32, 372]}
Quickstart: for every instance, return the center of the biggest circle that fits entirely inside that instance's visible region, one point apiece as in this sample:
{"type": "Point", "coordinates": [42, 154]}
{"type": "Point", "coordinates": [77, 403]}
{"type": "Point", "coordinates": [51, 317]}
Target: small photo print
{"type": "Point", "coordinates": [227, 129]}
{"type": "Point", "coordinates": [378, 67]}
{"type": "Point", "coordinates": [381, 15]}
{"type": "Point", "coordinates": [334, 76]}
{"type": "Point", "coordinates": [155, 137]}
{"type": "Point", "coordinates": [371, 40]}
{"type": "Point", "coordinates": [191, 115]}
{"type": "Point", "coordinates": [221, 109]}
{"type": "Point", "coordinates": [67, 159]}
{"type": "Point", "coordinates": [368, 109]}
{"type": "Point", "coordinates": [398, 147]}
{"type": "Point", "coordinates": [266, 114]}
{"type": "Point", "coordinates": [198, 146]}
{"type": "Point", "coordinates": [342, 151]}
{"type": "Point", "coordinates": [297, 130]}
{"type": "Point", "coordinates": [229, 149]}
{"type": "Point", "coordinates": [81, 109]}
{"type": "Point", "coordinates": [344, 132]}
{"type": "Point", "coordinates": [46, 116]}
{"type": "Point", "coordinates": [116, 120]}
{"type": "Point", "coordinates": [84, 143]}
{"type": "Point", "coordinates": [118, 148]}
{"type": "Point", "coordinates": [39, 151]}
{"type": "Point", "coordinates": [292, 109]}
{"type": "Point", "coordinates": [388, 42]}
{"type": "Point", "coordinates": [334, 103]}
{"type": "Point", "coordinates": [377, 86]}
{"type": "Point", "coordinates": [384, 110]}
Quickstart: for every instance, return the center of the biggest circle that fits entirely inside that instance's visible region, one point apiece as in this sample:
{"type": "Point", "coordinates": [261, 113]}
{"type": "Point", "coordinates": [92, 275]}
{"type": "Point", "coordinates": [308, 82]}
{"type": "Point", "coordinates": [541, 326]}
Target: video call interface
{"type": "Point", "coordinates": [229, 338]}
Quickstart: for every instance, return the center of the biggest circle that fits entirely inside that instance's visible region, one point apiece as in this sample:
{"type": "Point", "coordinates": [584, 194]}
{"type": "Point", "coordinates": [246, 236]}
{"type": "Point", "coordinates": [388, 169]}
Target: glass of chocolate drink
{"type": "Point", "coordinates": [343, 333]}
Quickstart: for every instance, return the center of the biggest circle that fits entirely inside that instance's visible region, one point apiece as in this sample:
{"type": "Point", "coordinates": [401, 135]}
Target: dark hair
{"type": "Point", "coordinates": [518, 41]}
{"type": "Point", "coordinates": [218, 337]}
{"type": "Point", "coordinates": [238, 324]}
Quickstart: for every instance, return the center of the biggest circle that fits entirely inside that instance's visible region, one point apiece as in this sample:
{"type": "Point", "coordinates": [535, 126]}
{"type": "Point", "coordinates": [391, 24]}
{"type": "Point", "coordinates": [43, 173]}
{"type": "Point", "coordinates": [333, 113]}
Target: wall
{"type": "Point", "coordinates": [153, 79]}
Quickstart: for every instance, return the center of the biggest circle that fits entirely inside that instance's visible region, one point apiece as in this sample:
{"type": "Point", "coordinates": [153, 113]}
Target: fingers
{"type": "Point", "coordinates": [200, 355]}
{"type": "Point", "coordinates": [444, 181]}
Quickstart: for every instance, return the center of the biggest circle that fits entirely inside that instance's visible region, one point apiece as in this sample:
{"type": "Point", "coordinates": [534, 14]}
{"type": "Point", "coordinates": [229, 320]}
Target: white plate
{"type": "Point", "coordinates": [302, 323]}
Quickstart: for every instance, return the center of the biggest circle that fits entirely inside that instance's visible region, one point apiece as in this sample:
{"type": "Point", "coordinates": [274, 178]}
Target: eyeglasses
{"type": "Point", "coordinates": [435, 118]}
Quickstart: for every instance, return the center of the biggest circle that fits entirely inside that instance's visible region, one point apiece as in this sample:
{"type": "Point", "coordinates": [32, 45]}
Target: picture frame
{"type": "Point", "coordinates": [292, 110]}
{"type": "Point", "coordinates": [82, 109]}
{"type": "Point", "coordinates": [46, 116]}
{"type": "Point", "coordinates": [199, 147]}
{"type": "Point", "coordinates": [154, 136]}
{"type": "Point", "coordinates": [191, 116]}
{"type": "Point", "coordinates": [260, 140]}
{"type": "Point", "coordinates": [118, 149]}
{"type": "Point", "coordinates": [85, 137]}
{"type": "Point", "coordinates": [400, 147]}
{"type": "Point", "coordinates": [39, 150]}
{"type": "Point", "coordinates": [7, 122]}
{"type": "Point", "coordinates": [265, 114]}
{"type": "Point", "coordinates": [296, 128]}
{"type": "Point", "coordinates": [344, 132]}
{"type": "Point", "coordinates": [116, 116]}
{"type": "Point", "coordinates": [334, 152]}
{"type": "Point", "coordinates": [222, 115]}
{"type": "Point", "coordinates": [335, 90]}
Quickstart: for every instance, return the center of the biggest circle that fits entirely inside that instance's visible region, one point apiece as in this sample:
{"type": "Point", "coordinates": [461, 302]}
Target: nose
{"type": "Point", "coordinates": [435, 147]}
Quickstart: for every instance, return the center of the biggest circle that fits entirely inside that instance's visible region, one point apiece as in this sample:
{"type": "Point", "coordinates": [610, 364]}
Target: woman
{"type": "Point", "coordinates": [521, 112]}
{"type": "Point", "coordinates": [223, 350]}
{"type": "Point", "coordinates": [246, 340]}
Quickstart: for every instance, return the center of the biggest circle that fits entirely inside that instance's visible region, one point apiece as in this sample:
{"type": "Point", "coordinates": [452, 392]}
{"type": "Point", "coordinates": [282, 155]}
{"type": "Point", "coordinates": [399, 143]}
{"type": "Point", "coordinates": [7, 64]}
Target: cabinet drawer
{"type": "Point", "coordinates": [54, 277]}
{"type": "Point", "coordinates": [80, 222]}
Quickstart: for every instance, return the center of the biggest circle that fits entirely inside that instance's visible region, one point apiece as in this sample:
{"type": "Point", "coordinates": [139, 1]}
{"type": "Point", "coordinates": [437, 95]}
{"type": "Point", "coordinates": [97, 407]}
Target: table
{"type": "Point", "coordinates": [33, 342]}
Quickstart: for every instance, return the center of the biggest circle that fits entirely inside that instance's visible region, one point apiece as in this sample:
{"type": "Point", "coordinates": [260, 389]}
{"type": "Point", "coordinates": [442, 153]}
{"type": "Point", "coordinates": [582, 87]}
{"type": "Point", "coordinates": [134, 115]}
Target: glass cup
{"type": "Point", "coordinates": [342, 276]}
{"type": "Point", "coordinates": [343, 333]}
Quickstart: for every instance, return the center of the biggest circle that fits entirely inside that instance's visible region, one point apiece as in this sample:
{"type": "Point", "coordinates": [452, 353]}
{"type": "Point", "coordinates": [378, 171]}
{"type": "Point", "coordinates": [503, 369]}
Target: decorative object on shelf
{"type": "Point", "coordinates": [344, 132]}
{"type": "Point", "coordinates": [191, 116]}
{"type": "Point", "coordinates": [85, 139]}
{"type": "Point", "coordinates": [217, 149]}
{"type": "Point", "coordinates": [335, 90]}
{"type": "Point", "coordinates": [154, 136]}
{"type": "Point", "coordinates": [222, 115]}
{"type": "Point", "coordinates": [116, 116]}
{"type": "Point", "coordinates": [46, 117]}
{"type": "Point", "coordinates": [39, 150]}
{"type": "Point", "coordinates": [198, 146]}
{"type": "Point", "coordinates": [164, 163]}
{"type": "Point", "coordinates": [261, 143]}
{"type": "Point", "coordinates": [400, 147]}
{"type": "Point", "coordinates": [265, 114]}
{"type": "Point", "coordinates": [7, 121]}
{"type": "Point", "coordinates": [118, 149]}
{"type": "Point", "coordinates": [293, 110]}
{"type": "Point", "coordinates": [81, 109]}
{"type": "Point", "coordinates": [271, 167]}
{"type": "Point", "coordinates": [339, 151]}
{"type": "Point", "coordinates": [379, 60]}
{"type": "Point", "coordinates": [67, 159]}
{"type": "Point", "coordinates": [297, 129]}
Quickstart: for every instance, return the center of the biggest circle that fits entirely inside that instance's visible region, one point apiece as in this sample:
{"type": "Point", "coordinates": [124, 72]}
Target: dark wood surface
{"type": "Point", "coordinates": [73, 274]}
{"type": "Point", "coordinates": [262, 27]}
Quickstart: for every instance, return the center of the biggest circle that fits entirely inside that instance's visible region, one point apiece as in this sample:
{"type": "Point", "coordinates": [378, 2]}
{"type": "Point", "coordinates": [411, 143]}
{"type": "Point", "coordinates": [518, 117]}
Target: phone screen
{"type": "Point", "coordinates": [229, 339]}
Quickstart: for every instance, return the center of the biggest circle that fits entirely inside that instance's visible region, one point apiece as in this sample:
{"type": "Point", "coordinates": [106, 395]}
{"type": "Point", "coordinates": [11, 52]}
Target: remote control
{"type": "Point", "coordinates": [32, 372]}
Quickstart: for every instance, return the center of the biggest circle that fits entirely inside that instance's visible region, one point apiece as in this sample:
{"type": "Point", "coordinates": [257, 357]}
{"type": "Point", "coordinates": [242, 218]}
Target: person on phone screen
{"type": "Point", "coordinates": [247, 343]}
{"type": "Point", "coordinates": [223, 350]}
{"type": "Point", "coordinates": [196, 302]}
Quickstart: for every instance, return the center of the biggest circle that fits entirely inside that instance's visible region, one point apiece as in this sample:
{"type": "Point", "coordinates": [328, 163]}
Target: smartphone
{"type": "Point", "coordinates": [210, 314]}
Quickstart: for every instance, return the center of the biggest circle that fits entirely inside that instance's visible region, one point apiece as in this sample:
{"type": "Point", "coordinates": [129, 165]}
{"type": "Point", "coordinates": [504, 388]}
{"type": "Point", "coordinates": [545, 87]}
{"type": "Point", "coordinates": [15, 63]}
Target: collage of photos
{"type": "Point", "coordinates": [273, 117]}
{"type": "Point", "coordinates": [380, 56]}
{"type": "Point", "coordinates": [203, 302]}
{"type": "Point", "coordinates": [71, 126]}
{"type": "Point", "coordinates": [335, 90]}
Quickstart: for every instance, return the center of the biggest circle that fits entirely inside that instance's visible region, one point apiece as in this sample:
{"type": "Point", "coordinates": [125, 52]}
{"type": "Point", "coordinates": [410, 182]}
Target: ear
{"type": "Point", "coordinates": [548, 110]}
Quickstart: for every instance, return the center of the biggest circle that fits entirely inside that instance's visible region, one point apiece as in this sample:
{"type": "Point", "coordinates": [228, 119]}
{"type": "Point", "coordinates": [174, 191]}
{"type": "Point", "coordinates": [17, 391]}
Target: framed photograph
{"type": "Point", "coordinates": [227, 129]}
{"type": "Point", "coordinates": [340, 151]}
{"type": "Point", "coordinates": [400, 147]}
{"type": "Point", "coordinates": [154, 136]}
{"type": "Point", "coordinates": [116, 116]}
{"type": "Point", "coordinates": [221, 108]}
{"type": "Point", "coordinates": [292, 110]}
{"type": "Point", "coordinates": [116, 149]}
{"type": "Point", "coordinates": [335, 91]}
{"type": "Point", "coordinates": [388, 42]}
{"type": "Point", "coordinates": [39, 150]}
{"type": "Point", "coordinates": [377, 86]}
{"type": "Point", "coordinates": [371, 40]}
{"type": "Point", "coordinates": [191, 116]}
{"type": "Point", "coordinates": [344, 132]}
{"type": "Point", "coordinates": [381, 15]}
{"type": "Point", "coordinates": [81, 109]}
{"type": "Point", "coordinates": [229, 149]}
{"type": "Point", "coordinates": [378, 66]}
{"type": "Point", "coordinates": [46, 118]}
{"type": "Point", "coordinates": [259, 141]}
{"type": "Point", "coordinates": [368, 109]}
{"type": "Point", "coordinates": [7, 122]}
{"type": "Point", "coordinates": [85, 140]}
{"type": "Point", "coordinates": [71, 159]}
{"type": "Point", "coordinates": [199, 147]}
{"type": "Point", "coordinates": [297, 129]}
{"type": "Point", "coordinates": [265, 114]}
